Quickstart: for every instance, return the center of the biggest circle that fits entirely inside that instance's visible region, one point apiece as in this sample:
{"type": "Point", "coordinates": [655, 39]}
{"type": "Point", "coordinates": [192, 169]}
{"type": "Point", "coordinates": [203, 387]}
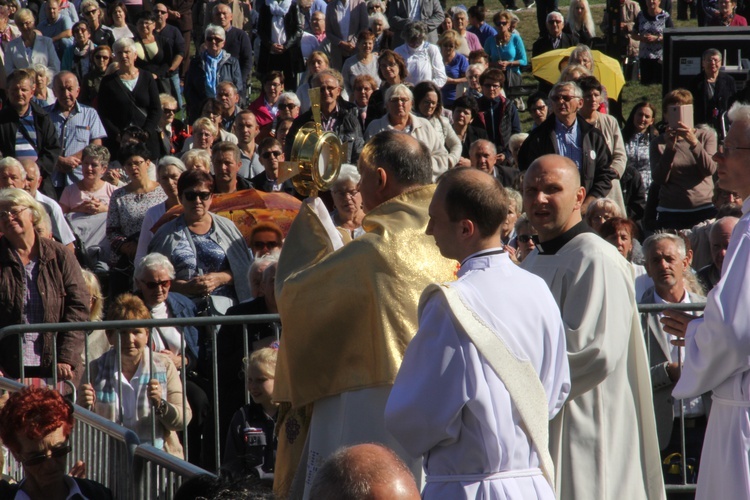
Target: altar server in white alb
{"type": "Point", "coordinates": [603, 441]}
{"type": "Point", "coordinates": [717, 346]}
{"type": "Point", "coordinates": [487, 368]}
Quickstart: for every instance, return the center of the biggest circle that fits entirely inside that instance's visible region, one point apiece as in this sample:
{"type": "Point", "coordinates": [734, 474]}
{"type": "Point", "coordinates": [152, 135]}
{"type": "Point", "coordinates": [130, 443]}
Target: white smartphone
{"type": "Point", "coordinates": [680, 113]}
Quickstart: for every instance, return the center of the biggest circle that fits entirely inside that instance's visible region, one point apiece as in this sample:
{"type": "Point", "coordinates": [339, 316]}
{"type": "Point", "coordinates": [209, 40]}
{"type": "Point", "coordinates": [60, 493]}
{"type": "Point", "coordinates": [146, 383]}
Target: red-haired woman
{"type": "Point", "coordinates": [623, 234]}
{"type": "Point", "coordinates": [35, 425]}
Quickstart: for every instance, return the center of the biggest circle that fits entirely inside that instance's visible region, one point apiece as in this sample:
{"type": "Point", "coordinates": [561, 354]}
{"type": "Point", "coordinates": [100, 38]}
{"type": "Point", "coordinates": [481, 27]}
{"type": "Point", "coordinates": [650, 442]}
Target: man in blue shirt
{"type": "Point", "coordinates": [76, 126]}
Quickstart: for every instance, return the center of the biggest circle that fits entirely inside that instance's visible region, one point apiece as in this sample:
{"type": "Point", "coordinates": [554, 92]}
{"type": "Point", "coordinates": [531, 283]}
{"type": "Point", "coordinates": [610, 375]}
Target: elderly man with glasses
{"type": "Point", "coordinates": [562, 133]}
{"type": "Point", "coordinates": [553, 38]}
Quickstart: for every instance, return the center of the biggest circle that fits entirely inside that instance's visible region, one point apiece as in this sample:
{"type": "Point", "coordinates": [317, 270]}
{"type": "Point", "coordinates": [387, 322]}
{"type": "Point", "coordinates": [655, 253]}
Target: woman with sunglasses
{"type": "Point", "coordinates": [207, 69]}
{"type": "Point", "coordinates": [153, 278]}
{"type": "Point", "coordinates": [506, 49]}
{"type": "Point", "coordinates": [40, 282]}
{"type": "Point", "coordinates": [207, 250]}
{"type": "Point", "coordinates": [77, 57]}
{"type": "Point", "coordinates": [93, 15]}
{"type": "Point", "coordinates": [100, 58]}
{"type": "Point", "coordinates": [35, 426]}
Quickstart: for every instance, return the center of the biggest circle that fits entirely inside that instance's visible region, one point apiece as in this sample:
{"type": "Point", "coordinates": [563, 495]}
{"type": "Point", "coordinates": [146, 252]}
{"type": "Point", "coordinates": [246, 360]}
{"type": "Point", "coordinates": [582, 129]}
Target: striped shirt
{"type": "Point", "coordinates": [26, 143]}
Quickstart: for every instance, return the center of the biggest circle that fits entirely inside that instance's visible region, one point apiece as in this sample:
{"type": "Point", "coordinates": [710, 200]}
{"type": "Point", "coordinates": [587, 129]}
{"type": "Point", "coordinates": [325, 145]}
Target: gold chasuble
{"type": "Point", "coordinates": [349, 315]}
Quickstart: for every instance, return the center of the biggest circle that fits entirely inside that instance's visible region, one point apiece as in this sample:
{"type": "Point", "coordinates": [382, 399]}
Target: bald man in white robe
{"type": "Point", "coordinates": [604, 440]}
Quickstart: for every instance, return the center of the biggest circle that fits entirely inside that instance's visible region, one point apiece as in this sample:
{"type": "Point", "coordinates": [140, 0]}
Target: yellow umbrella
{"type": "Point", "coordinates": [606, 69]}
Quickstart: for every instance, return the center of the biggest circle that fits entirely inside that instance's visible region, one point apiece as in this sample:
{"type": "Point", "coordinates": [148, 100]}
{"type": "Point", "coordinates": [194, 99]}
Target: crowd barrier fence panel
{"type": "Point", "coordinates": [649, 309]}
{"type": "Point", "coordinates": [211, 332]}
{"type": "Point", "coordinates": [153, 470]}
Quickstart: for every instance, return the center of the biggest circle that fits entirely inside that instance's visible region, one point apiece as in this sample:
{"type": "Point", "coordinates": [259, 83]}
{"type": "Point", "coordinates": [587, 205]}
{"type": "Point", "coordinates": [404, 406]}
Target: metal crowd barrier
{"type": "Point", "coordinates": [167, 471]}
{"type": "Point", "coordinates": [646, 310]}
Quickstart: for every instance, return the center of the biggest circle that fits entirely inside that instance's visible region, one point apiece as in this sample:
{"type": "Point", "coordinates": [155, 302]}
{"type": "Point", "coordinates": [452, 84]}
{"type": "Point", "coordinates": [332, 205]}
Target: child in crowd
{"type": "Point", "coordinates": [251, 444]}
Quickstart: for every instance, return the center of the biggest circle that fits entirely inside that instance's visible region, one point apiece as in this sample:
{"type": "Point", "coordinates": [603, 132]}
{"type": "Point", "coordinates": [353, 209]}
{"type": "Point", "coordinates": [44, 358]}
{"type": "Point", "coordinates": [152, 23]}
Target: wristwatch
{"type": "Point", "coordinates": [161, 409]}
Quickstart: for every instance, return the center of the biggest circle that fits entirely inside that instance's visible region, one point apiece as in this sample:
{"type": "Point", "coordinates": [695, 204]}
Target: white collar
{"type": "Point", "coordinates": [481, 260]}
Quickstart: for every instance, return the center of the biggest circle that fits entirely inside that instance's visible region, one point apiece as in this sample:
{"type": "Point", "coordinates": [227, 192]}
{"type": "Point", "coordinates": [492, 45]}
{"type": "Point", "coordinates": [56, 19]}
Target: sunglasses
{"type": "Point", "coordinates": [91, 12]}
{"type": "Point", "coordinates": [214, 39]}
{"type": "Point", "coordinates": [169, 110]}
{"type": "Point", "coordinates": [153, 285]}
{"type": "Point", "coordinates": [566, 98]}
{"type": "Point", "coordinates": [101, 58]}
{"type": "Point", "coordinates": [288, 106]}
{"type": "Point", "coordinates": [162, 12]}
{"type": "Point", "coordinates": [43, 457]}
{"type": "Point", "coordinates": [265, 244]}
{"type": "Point", "coordinates": [503, 23]}
{"type": "Point", "coordinates": [267, 155]}
{"type": "Point", "coordinates": [191, 196]}
{"type": "Point", "coordinates": [524, 238]}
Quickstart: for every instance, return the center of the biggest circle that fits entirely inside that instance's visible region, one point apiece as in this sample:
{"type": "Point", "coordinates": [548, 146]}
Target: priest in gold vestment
{"type": "Point", "coordinates": [350, 311]}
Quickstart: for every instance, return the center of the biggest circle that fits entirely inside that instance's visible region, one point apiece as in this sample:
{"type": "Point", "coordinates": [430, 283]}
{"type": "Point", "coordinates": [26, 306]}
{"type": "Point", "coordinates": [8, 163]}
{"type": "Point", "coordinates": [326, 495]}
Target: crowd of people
{"type": "Point", "coordinates": [115, 143]}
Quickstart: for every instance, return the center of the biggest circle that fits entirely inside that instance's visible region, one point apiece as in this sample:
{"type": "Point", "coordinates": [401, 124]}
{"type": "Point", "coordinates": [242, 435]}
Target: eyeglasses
{"type": "Point", "coordinates": [400, 100]}
{"type": "Point", "coordinates": [214, 39]}
{"type": "Point", "coordinates": [291, 105]}
{"type": "Point", "coordinates": [153, 285]}
{"type": "Point", "coordinates": [491, 85]}
{"type": "Point", "coordinates": [91, 12]}
{"type": "Point", "coordinates": [344, 194]}
{"type": "Point", "coordinates": [325, 88]}
{"type": "Point", "coordinates": [101, 58]}
{"type": "Point", "coordinates": [524, 238]}
{"type": "Point", "coordinates": [566, 98]}
{"type": "Point", "coordinates": [503, 23]}
{"type": "Point", "coordinates": [723, 150]}
{"type": "Point", "coordinates": [162, 12]}
{"type": "Point", "coordinates": [538, 108]}
{"type": "Point", "coordinates": [191, 196]}
{"type": "Point", "coordinates": [7, 214]}
{"type": "Point", "coordinates": [265, 244]}
{"type": "Point", "coordinates": [43, 457]}
{"type": "Point", "coordinates": [267, 155]}
{"type": "Point", "coordinates": [134, 163]}
{"type": "Point", "coordinates": [81, 30]}
{"type": "Point", "coordinates": [169, 110]}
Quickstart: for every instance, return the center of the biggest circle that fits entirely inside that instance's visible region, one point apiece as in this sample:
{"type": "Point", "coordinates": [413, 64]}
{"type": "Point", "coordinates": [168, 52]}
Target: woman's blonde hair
{"type": "Point", "coordinates": [451, 36]}
{"type": "Point", "coordinates": [588, 20]}
{"type": "Point", "coordinates": [19, 197]}
{"type": "Point", "coordinates": [205, 123]}
{"type": "Point", "coordinates": [193, 156]}
{"type": "Point", "coordinates": [264, 360]}
{"type": "Point", "coordinates": [95, 290]}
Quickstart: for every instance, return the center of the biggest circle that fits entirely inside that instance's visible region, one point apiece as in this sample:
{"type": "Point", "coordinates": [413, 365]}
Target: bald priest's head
{"type": "Point", "coordinates": [553, 195]}
{"type": "Point", "coordinates": [391, 163]}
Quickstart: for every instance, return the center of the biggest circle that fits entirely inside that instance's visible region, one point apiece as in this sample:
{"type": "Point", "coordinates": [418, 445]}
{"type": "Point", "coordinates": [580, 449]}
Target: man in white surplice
{"type": "Point", "coordinates": [717, 346]}
{"type": "Point", "coordinates": [603, 441]}
{"type": "Point", "coordinates": [449, 403]}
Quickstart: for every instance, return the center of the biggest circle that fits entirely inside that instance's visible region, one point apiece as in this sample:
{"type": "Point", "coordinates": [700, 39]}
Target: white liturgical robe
{"type": "Point", "coordinates": [603, 441]}
{"type": "Point", "coordinates": [449, 406]}
{"type": "Point", "coordinates": [717, 358]}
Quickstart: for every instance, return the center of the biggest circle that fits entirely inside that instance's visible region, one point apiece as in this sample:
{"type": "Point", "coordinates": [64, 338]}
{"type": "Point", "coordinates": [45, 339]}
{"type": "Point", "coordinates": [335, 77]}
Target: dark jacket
{"type": "Point", "coordinates": [596, 173]}
{"type": "Point", "coordinates": [65, 297]}
{"type": "Point", "coordinates": [239, 46]}
{"type": "Point", "coordinates": [544, 44]}
{"type": "Point", "coordinates": [473, 133]}
{"type": "Point", "coordinates": [709, 110]}
{"type": "Point", "coordinates": [48, 145]}
{"type": "Point", "coordinates": [500, 120]}
{"type": "Point", "coordinates": [633, 193]}
{"type": "Point", "coordinates": [291, 60]}
{"type": "Point", "coordinates": [195, 81]}
{"type": "Point", "coordinates": [346, 126]}
{"type": "Point", "coordinates": [117, 111]}
{"type": "Point", "coordinates": [172, 38]}
{"type": "Point", "coordinates": [159, 64]}
{"type": "Point", "coordinates": [90, 489]}
{"type": "Point", "coordinates": [180, 306]}
{"type": "Point", "coordinates": [261, 183]}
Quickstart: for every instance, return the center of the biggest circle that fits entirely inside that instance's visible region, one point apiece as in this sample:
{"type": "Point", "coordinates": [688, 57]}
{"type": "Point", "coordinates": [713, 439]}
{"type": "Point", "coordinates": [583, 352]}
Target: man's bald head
{"type": "Point", "coordinates": [553, 195]}
{"type": "Point", "coordinates": [364, 472]}
{"type": "Point", "coordinates": [33, 176]}
{"type": "Point", "coordinates": [719, 236]}
{"type": "Point", "coordinates": [392, 162]}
